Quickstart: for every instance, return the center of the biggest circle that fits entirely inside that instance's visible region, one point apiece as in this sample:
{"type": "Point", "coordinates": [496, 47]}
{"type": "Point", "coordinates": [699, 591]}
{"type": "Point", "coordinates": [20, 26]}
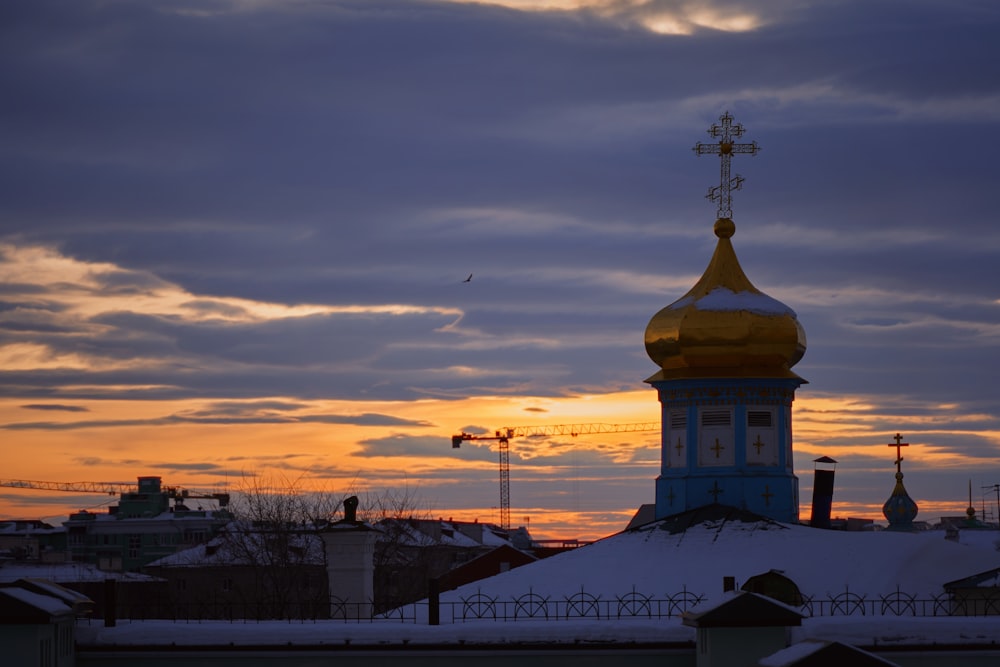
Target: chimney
{"type": "Point", "coordinates": [822, 492]}
{"type": "Point", "coordinates": [350, 565]}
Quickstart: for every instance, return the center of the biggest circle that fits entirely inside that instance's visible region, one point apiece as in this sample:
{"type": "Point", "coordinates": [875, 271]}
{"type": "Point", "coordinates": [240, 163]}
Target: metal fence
{"type": "Point", "coordinates": [481, 606]}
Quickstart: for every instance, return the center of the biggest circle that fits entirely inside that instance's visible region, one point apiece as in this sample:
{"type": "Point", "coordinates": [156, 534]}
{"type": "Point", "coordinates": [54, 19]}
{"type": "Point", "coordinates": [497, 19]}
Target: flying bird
{"type": "Point", "coordinates": [468, 280]}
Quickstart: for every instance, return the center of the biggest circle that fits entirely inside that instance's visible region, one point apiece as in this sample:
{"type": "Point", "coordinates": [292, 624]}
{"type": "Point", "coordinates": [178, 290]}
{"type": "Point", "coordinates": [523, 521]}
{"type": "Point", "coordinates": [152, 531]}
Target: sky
{"type": "Point", "coordinates": [235, 237]}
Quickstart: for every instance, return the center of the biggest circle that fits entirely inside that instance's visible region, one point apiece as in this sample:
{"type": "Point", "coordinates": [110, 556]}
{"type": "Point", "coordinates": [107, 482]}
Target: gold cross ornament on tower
{"type": "Point", "coordinates": [717, 447]}
{"type": "Point", "coordinates": [727, 132]}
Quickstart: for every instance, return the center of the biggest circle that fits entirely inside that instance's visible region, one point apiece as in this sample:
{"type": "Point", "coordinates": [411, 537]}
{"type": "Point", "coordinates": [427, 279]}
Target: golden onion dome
{"type": "Point", "coordinates": [724, 326]}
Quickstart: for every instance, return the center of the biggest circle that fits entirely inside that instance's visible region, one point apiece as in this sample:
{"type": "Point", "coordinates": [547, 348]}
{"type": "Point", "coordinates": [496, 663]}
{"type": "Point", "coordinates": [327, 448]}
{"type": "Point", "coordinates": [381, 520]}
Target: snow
{"type": "Point", "coordinates": [654, 562]}
{"type": "Point", "coordinates": [724, 299]}
{"type": "Point", "coordinates": [491, 539]}
{"type": "Point", "coordinates": [991, 582]}
{"type": "Point", "coordinates": [61, 573]}
{"type": "Point", "coordinates": [46, 603]}
{"type": "Point", "coordinates": [792, 653]}
{"type": "Point", "coordinates": [239, 544]}
{"type": "Point", "coordinates": [51, 589]}
{"type": "Point", "coordinates": [822, 563]}
{"type": "Point", "coordinates": [855, 630]}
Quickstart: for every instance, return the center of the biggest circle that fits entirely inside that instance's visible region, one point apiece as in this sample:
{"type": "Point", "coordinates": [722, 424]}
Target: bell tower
{"type": "Point", "coordinates": [725, 351]}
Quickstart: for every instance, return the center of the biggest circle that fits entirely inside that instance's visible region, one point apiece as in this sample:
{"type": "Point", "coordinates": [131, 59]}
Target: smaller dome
{"type": "Point", "coordinates": [724, 326]}
{"type": "Point", "coordinates": [900, 510]}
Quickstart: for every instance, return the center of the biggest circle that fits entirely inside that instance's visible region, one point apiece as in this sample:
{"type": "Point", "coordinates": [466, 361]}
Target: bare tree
{"type": "Point", "coordinates": [280, 500]}
{"type": "Point", "coordinates": [404, 557]}
{"type": "Point", "coordinates": [274, 540]}
{"type": "Point", "coordinates": [276, 536]}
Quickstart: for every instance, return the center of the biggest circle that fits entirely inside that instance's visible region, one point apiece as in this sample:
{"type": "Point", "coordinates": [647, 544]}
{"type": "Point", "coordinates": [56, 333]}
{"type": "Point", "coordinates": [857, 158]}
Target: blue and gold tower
{"type": "Point", "coordinates": [725, 351]}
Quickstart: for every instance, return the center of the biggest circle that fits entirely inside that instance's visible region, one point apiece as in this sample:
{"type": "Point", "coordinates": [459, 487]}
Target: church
{"type": "Point", "coordinates": [725, 351]}
{"type": "Point", "coordinates": [727, 507]}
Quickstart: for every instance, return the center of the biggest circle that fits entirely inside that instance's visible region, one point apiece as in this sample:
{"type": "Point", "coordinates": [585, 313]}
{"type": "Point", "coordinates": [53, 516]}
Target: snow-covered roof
{"type": "Point", "coordinates": [28, 527]}
{"type": "Point", "coordinates": [239, 544]}
{"type": "Point", "coordinates": [655, 562]}
{"type": "Point", "coordinates": [426, 532]}
{"type": "Point", "coordinates": [988, 579]}
{"type": "Point", "coordinates": [743, 610]}
{"type": "Point", "coordinates": [52, 589]}
{"type": "Point", "coordinates": [66, 573]}
{"type": "Point", "coordinates": [831, 652]}
{"type": "Point", "coordinates": [44, 603]}
{"type": "Point", "coordinates": [491, 538]}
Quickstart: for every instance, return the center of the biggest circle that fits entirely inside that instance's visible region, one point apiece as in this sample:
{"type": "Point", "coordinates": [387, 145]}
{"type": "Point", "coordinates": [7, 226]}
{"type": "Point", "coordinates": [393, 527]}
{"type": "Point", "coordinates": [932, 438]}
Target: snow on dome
{"type": "Point", "coordinates": [724, 299]}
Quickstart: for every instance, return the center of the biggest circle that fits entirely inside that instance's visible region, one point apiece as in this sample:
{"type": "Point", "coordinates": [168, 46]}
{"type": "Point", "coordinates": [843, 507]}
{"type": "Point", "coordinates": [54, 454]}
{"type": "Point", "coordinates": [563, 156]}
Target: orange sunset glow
{"type": "Point", "coordinates": [583, 487]}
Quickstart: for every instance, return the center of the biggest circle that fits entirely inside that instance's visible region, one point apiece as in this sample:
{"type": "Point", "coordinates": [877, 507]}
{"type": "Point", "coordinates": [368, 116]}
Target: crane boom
{"type": "Point", "coordinates": [110, 488]}
{"type": "Point", "coordinates": [503, 436]}
{"type": "Point", "coordinates": [580, 429]}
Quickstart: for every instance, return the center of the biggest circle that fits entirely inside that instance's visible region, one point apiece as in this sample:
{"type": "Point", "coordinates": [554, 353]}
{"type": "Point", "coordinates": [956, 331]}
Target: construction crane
{"type": "Point", "coordinates": [110, 488]}
{"type": "Point", "coordinates": [503, 436]}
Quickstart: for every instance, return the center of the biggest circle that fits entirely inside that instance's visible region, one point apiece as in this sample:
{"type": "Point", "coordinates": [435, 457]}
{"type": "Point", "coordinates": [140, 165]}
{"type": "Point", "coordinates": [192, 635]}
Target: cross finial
{"type": "Point", "coordinates": [726, 147]}
{"type": "Point", "coordinates": [899, 444]}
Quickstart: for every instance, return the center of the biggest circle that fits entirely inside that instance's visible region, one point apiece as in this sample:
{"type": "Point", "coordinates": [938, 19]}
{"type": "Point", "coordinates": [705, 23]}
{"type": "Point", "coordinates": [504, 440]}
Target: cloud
{"type": "Point", "coordinates": [418, 446]}
{"type": "Point", "coordinates": [207, 417]}
{"type": "Point", "coordinates": [54, 407]}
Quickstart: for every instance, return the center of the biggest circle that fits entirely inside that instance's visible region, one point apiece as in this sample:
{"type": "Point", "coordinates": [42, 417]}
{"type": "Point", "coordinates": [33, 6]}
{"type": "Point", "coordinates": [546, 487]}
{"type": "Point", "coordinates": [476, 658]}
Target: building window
{"type": "Point", "coordinates": [194, 536]}
{"type": "Point", "coordinates": [134, 545]}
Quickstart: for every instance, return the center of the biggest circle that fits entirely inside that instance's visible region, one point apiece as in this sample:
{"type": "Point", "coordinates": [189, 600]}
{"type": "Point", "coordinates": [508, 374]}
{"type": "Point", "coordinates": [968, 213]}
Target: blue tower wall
{"type": "Point", "coordinates": [745, 462]}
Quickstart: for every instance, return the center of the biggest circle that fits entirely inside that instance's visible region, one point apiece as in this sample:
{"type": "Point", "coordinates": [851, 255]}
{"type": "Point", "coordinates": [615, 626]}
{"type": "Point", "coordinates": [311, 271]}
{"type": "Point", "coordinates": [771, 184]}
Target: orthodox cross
{"type": "Point", "coordinates": [767, 495]}
{"type": "Point", "coordinates": [717, 448]}
{"type": "Point", "coordinates": [715, 491]}
{"type": "Point", "coordinates": [758, 444]}
{"type": "Point", "coordinates": [899, 444]}
{"type": "Point", "coordinates": [679, 447]}
{"type": "Point", "coordinates": [725, 148]}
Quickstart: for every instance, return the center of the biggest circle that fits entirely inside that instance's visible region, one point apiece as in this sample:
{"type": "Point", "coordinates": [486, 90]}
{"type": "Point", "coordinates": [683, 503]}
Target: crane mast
{"type": "Point", "coordinates": [503, 436]}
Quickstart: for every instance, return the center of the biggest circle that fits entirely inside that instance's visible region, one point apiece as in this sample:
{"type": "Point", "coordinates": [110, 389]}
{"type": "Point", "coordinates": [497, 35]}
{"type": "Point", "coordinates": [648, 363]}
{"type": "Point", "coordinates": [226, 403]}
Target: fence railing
{"type": "Point", "coordinates": [481, 606]}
